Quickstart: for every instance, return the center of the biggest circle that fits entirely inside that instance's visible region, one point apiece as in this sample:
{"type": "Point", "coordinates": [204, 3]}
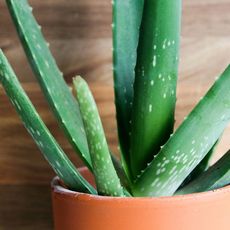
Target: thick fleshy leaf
{"type": "Point", "coordinates": [201, 167]}
{"type": "Point", "coordinates": [215, 177]}
{"type": "Point", "coordinates": [126, 22]}
{"type": "Point", "coordinates": [155, 80]}
{"type": "Point", "coordinates": [189, 144]}
{"type": "Point", "coordinates": [56, 90]}
{"type": "Point", "coordinates": [37, 129]}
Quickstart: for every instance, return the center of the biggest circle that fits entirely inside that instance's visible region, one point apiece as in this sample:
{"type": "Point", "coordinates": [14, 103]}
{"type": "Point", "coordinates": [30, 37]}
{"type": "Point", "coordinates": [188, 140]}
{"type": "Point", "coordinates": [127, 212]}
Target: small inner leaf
{"type": "Point", "coordinates": [106, 178]}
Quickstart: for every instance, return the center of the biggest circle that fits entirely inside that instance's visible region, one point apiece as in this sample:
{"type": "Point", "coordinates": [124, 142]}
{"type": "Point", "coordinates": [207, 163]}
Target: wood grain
{"type": "Point", "coordinates": [79, 33]}
{"type": "Point", "coordinates": [25, 208]}
{"type": "Point", "coordinates": [80, 36]}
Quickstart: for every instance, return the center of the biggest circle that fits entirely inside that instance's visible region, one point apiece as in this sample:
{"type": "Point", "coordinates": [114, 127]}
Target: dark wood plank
{"type": "Point", "coordinates": [25, 207]}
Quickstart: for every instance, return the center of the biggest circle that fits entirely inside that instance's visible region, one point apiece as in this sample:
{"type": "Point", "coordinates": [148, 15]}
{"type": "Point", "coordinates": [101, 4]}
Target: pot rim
{"type": "Point", "coordinates": [58, 188]}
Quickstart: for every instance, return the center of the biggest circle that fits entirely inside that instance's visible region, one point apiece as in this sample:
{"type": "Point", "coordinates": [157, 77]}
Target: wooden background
{"type": "Point", "coordinates": [79, 33]}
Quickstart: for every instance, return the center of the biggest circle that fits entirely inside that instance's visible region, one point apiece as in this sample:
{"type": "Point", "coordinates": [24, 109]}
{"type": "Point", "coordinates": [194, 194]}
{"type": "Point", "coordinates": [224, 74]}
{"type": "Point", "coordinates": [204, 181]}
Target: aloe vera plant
{"type": "Point", "coordinates": [155, 159]}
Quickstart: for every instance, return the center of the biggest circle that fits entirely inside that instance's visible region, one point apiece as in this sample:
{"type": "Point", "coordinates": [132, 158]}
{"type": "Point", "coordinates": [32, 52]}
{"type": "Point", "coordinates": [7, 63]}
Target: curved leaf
{"type": "Point", "coordinates": [57, 92]}
{"type": "Point", "coordinates": [37, 129]}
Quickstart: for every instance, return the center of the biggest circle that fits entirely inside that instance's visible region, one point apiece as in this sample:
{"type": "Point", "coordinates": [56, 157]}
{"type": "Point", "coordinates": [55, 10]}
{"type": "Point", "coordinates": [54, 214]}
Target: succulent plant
{"type": "Point", "coordinates": [155, 159]}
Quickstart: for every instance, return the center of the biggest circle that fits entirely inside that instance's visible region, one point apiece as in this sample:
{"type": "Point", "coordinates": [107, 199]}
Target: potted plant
{"type": "Point", "coordinates": [164, 180]}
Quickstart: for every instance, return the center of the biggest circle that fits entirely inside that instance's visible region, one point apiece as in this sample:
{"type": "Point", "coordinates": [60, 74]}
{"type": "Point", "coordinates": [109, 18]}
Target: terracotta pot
{"type": "Point", "coordinates": [201, 211]}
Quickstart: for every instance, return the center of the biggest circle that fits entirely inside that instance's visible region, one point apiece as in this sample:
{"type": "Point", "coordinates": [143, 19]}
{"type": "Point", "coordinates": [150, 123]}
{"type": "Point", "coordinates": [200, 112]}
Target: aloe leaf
{"type": "Point", "coordinates": [126, 22]}
{"type": "Point", "coordinates": [120, 171]}
{"type": "Point", "coordinates": [215, 177]}
{"type": "Point", "coordinates": [41, 135]}
{"type": "Point", "coordinates": [49, 76]}
{"type": "Point", "coordinates": [105, 174]}
{"type": "Point", "coordinates": [201, 167]}
{"type": "Point", "coordinates": [189, 144]}
{"type": "Point", "coordinates": [155, 80]}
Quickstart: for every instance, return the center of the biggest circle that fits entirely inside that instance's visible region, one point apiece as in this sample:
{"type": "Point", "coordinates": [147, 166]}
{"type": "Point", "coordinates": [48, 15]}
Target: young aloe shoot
{"type": "Point", "coordinates": [106, 178]}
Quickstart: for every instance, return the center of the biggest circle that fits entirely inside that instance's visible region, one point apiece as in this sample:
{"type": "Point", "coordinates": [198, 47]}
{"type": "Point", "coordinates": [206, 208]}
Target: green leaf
{"type": "Point", "coordinates": [49, 76]}
{"type": "Point", "coordinates": [120, 172]}
{"type": "Point", "coordinates": [126, 22]}
{"type": "Point", "coordinates": [189, 144]}
{"type": "Point", "coordinates": [201, 167]}
{"type": "Point", "coordinates": [215, 177]}
{"type": "Point", "coordinates": [155, 80]}
{"type": "Point", "coordinates": [41, 135]}
{"type": "Point", "coordinates": [106, 177]}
